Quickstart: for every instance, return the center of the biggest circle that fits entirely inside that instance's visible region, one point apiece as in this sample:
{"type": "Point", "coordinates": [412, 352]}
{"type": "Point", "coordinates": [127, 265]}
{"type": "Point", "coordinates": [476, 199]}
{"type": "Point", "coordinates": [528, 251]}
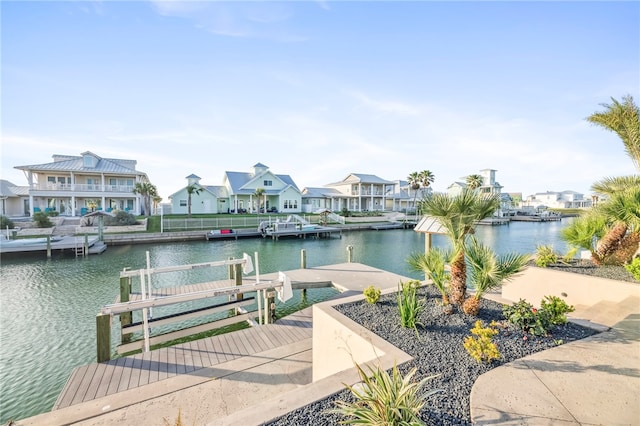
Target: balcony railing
{"type": "Point", "coordinates": [83, 187]}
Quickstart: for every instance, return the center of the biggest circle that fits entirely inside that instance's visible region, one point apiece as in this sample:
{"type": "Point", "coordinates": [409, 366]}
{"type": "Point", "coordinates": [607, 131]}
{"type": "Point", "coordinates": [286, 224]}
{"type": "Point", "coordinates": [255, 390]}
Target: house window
{"type": "Point", "coordinates": [88, 161]}
{"type": "Point", "coordinates": [268, 183]}
{"type": "Point", "coordinates": [295, 204]}
{"type": "Point", "coordinates": [286, 204]}
{"type": "Point", "coordinates": [183, 203]}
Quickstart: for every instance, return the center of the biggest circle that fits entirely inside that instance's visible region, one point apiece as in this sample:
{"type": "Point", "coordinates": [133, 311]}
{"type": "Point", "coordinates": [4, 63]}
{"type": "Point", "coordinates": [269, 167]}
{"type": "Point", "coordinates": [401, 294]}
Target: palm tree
{"type": "Point", "coordinates": [458, 215]}
{"type": "Point", "coordinates": [474, 181]}
{"type": "Point", "coordinates": [622, 119]}
{"type": "Point", "coordinates": [620, 211]}
{"type": "Point", "coordinates": [192, 189]}
{"type": "Point", "coordinates": [147, 190]}
{"type": "Point", "coordinates": [259, 193]}
{"type": "Point", "coordinates": [432, 263]}
{"type": "Point", "coordinates": [488, 271]}
{"type": "Point", "coordinates": [414, 183]}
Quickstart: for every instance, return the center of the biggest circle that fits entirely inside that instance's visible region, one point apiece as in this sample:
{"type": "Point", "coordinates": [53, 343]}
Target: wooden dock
{"type": "Point", "coordinates": [315, 231]}
{"type": "Point", "coordinates": [70, 243]}
{"type": "Point", "coordinates": [97, 380]}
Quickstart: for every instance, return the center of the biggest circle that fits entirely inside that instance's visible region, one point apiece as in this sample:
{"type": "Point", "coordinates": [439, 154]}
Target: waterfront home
{"type": "Point", "coordinates": [402, 197]}
{"type": "Point", "coordinates": [361, 192]}
{"type": "Point", "coordinates": [489, 184]}
{"type": "Point", "coordinates": [558, 200]}
{"type": "Point", "coordinates": [14, 199]}
{"type": "Point", "coordinates": [75, 185]}
{"type": "Point", "coordinates": [205, 198]}
{"type": "Point", "coordinates": [279, 192]}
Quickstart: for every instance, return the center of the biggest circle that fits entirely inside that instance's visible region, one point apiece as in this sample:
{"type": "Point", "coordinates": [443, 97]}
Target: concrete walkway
{"type": "Point", "coordinates": [593, 381]}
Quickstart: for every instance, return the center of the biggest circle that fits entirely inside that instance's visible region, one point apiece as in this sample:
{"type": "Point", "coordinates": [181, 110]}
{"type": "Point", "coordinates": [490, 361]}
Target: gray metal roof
{"type": "Point", "coordinates": [362, 178]}
{"type": "Point", "coordinates": [8, 189]}
{"type": "Point", "coordinates": [238, 179]}
{"type": "Point", "coordinates": [68, 163]}
{"type": "Point", "coordinates": [314, 192]}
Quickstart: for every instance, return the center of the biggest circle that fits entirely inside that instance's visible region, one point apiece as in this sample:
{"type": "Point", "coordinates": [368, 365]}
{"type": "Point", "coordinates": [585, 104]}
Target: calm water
{"type": "Point", "coordinates": [48, 307]}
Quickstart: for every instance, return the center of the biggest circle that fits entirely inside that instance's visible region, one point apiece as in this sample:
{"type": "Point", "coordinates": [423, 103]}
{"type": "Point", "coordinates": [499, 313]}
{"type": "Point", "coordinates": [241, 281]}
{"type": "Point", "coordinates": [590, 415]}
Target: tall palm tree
{"type": "Point", "coordinates": [458, 215]}
{"type": "Point", "coordinates": [414, 183]}
{"type": "Point", "coordinates": [147, 190]}
{"type": "Point", "coordinates": [622, 119]}
{"type": "Point", "coordinates": [192, 189]}
{"type": "Point", "coordinates": [620, 211]}
{"type": "Point", "coordinates": [474, 181]}
{"type": "Point", "coordinates": [259, 193]}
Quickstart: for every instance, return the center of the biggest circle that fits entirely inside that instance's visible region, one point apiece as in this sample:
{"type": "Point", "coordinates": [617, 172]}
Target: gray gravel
{"type": "Point", "coordinates": [587, 267]}
{"type": "Point", "coordinates": [437, 349]}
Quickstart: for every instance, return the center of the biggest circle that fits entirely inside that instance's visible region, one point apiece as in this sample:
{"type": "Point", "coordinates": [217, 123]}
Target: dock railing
{"type": "Point", "coordinates": [265, 298]}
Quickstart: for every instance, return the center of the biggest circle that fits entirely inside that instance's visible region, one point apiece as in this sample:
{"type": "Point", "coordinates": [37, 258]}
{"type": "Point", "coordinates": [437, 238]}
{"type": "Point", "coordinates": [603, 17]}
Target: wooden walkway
{"type": "Point", "coordinates": [97, 380]}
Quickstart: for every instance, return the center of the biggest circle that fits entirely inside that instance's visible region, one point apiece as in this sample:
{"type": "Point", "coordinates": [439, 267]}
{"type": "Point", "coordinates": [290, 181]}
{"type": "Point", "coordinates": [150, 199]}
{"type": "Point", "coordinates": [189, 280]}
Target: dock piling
{"type": "Point", "coordinates": [303, 259]}
{"type": "Point", "coordinates": [103, 337]}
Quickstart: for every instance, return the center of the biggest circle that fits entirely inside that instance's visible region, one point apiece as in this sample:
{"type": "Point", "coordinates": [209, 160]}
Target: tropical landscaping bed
{"type": "Point", "coordinates": [587, 267]}
{"type": "Point", "coordinates": [437, 348]}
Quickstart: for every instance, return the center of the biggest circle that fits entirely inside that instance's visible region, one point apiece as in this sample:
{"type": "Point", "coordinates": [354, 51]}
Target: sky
{"type": "Point", "coordinates": [321, 89]}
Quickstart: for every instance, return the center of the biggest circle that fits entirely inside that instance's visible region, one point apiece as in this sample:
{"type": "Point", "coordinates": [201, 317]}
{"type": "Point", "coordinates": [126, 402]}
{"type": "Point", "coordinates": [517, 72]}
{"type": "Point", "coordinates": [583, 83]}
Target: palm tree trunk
{"type": "Point", "coordinates": [458, 279]}
{"type": "Point", "coordinates": [610, 242]}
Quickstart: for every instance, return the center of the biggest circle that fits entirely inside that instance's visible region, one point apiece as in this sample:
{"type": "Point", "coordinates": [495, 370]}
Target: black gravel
{"type": "Point", "coordinates": [587, 267]}
{"type": "Point", "coordinates": [437, 350]}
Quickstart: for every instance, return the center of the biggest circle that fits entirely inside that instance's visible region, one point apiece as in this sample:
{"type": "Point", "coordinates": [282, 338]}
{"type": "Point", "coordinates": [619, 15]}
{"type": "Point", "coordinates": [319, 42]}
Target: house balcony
{"type": "Point", "coordinates": [82, 187]}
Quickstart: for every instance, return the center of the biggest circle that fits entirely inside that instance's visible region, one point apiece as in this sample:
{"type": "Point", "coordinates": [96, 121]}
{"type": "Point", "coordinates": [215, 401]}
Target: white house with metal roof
{"type": "Point", "coordinates": [361, 192]}
{"type": "Point", "coordinates": [280, 192]}
{"type": "Point", "coordinates": [558, 200]}
{"type": "Point", "coordinates": [208, 199]}
{"type": "Point", "coordinates": [76, 185]}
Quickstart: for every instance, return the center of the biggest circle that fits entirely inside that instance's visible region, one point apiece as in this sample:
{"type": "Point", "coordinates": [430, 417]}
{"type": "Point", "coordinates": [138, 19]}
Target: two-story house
{"type": "Point", "coordinates": [360, 192]}
{"type": "Point", "coordinates": [560, 200]}
{"type": "Point", "coordinates": [76, 185]}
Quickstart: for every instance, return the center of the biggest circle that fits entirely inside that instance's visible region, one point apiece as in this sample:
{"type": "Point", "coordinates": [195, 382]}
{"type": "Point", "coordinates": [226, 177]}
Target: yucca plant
{"type": "Point", "coordinates": [385, 399]}
{"type": "Point", "coordinates": [432, 263]}
{"type": "Point", "coordinates": [409, 305]}
{"type": "Point", "coordinates": [488, 271]}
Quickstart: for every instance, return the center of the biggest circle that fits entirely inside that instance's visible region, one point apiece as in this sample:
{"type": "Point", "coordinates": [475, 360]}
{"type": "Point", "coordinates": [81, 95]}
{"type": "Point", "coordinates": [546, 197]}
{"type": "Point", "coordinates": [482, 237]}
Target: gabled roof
{"type": "Point", "coordinates": [362, 178]}
{"type": "Point", "coordinates": [68, 163]}
{"type": "Point", "coordinates": [460, 184]}
{"type": "Point", "coordinates": [192, 176]}
{"type": "Point", "coordinates": [311, 192]}
{"type": "Point", "coordinates": [216, 191]}
{"type": "Point", "coordinates": [237, 180]}
{"type": "Point", "coordinates": [8, 189]}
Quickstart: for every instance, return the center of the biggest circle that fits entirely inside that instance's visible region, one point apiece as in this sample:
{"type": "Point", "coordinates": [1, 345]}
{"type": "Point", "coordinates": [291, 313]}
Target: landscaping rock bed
{"type": "Point", "coordinates": [437, 348]}
{"type": "Point", "coordinates": [587, 267]}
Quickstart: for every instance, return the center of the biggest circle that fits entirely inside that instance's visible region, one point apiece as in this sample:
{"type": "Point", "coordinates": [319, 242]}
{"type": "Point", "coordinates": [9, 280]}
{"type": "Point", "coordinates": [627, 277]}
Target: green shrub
{"type": "Point", "coordinates": [122, 218]}
{"type": "Point", "coordinates": [385, 399]}
{"type": "Point", "coordinates": [371, 294]}
{"type": "Point", "coordinates": [529, 319]}
{"type": "Point", "coordinates": [481, 347]}
{"type": "Point", "coordinates": [42, 220]}
{"type": "Point", "coordinates": [634, 268]}
{"type": "Point", "coordinates": [5, 223]}
{"type": "Point", "coordinates": [556, 308]}
{"type": "Point", "coordinates": [570, 254]}
{"type": "Point", "coordinates": [545, 256]}
{"type": "Point", "coordinates": [53, 213]}
{"type": "Point", "coordinates": [409, 306]}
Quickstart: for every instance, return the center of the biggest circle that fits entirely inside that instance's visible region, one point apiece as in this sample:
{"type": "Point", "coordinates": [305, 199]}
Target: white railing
{"type": "Point", "coordinates": [84, 187]}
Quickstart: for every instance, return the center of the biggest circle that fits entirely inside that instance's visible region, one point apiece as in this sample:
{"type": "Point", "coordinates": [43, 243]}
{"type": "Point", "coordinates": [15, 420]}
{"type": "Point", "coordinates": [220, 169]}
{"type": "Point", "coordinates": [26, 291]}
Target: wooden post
{"type": "Point", "coordinates": [103, 337]}
{"type": "Point", "coordinates": [427, 242]}
{"type": "Point", "coordinates": [238, 277]}
{"type": "Point", "coordinates": [349, 254]}
{"type": "Point", "coordinates": [271, 307]}
{"type": "Point", "coordinates": [126, 317]}
{"type": "Point", "coordinates": [303, 259]}
{"type": "Point", "coordinates": [48, 246]}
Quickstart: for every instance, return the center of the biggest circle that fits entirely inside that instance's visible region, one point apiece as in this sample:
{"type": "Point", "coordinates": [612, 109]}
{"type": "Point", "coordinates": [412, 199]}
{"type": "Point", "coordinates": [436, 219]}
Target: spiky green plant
{"type": "Point", "coordinates": [409, 305]}
{"type": "Point", "coordinates": [385, 399]}
{"type": "Point", "coordinates": [433, 263]}
{"type": "Point", "coordinates": [488, 271]}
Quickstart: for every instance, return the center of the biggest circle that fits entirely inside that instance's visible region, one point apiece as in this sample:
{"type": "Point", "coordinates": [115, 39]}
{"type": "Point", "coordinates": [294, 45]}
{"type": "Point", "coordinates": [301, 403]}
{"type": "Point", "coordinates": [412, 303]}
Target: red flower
{"type": "Point", "coordinates": [534, 310]}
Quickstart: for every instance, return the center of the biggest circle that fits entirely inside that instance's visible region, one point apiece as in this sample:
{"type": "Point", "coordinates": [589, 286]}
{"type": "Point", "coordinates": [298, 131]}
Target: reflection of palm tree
{"type": "Point", "coordinates": [192, 189]}
{"type": "Point", "coordinates": [458, 215]}
{"type": "Point", "coordinates": [474, 182]}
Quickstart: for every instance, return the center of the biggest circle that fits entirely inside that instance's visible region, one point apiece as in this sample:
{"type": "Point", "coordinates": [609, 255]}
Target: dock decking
{"type": "Point", "coordinates": [57, 243]}
{"type": "Point", "coordinates": [98, 380]}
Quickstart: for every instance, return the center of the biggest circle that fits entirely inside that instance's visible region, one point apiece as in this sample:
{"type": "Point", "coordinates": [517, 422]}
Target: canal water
{"type": "Point", "coordinates": [48, 306]}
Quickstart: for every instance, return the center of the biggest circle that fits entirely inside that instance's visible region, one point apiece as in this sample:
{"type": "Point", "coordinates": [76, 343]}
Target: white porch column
{"type": "Point", "coordinates": [31, 205]}
{"type": "Point", "coordinates": [73, 203]}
